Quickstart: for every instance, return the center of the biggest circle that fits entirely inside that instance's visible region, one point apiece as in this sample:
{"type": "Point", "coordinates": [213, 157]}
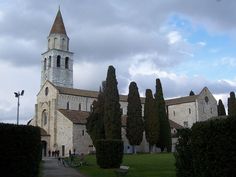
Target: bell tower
{"type": "Point", "coordinates": [57, 61]}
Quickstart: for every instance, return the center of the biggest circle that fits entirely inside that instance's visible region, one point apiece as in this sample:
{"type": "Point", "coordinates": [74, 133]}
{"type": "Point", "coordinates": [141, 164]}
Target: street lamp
{"type": "Point", "coordinates": [17, 95]}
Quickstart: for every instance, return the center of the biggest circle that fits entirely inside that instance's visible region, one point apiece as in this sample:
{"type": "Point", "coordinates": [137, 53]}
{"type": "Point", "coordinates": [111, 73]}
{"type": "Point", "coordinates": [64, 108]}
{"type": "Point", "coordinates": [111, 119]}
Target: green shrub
{"type": "Point", "coordinates": [214, 147]}
{"type": "Point", "coordinates": [183, 155]}
{"type": "Point", "coordinates": [20, 150]}
{"type": "Point", "coordinates": [210, 149]}
{"type": "Point", "coordinates": [109, 153]}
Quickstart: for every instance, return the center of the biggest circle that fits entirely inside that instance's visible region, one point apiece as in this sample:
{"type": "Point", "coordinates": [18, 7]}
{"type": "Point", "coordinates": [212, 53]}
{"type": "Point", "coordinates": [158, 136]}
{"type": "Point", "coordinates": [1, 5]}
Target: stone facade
{"type": "Point", "coordinates": [193, 108]}
{"type": "Point", "coordinates": [61, 111]}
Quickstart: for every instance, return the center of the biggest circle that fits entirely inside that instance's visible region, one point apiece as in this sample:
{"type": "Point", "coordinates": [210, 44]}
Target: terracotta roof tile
{"type": "Point", "coordinates": [181, 100]}
{"type": "Point", "coordinates": [85, 93]}
{"type": "Point", "coordinates": [58, 25]}
{"type": "Point", "coordinates": [94, 94]}
{"type": "Point", "coordinates": [175, 125]}
{"type": "Point", "coordinates": [77, 117]}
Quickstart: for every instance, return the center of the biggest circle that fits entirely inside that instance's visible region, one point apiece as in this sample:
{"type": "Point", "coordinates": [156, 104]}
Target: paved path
{"type": "Point", "coordinates": [51, 168]}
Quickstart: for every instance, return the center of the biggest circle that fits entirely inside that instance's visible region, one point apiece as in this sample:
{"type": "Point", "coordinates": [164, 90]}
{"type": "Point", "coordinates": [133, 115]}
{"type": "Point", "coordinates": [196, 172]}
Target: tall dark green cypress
{"type": "Point", "coordinates": [165, 132]}
{"type": "Point", "coordinates": [191, 93]}
{"type": "Point", "coordinates": [95, 122]}
{"type": "Point", "coordinates": [232, 104]}
{"type": "Point", "coordinates": [112, 112]}
{"type": "Point", "coordinates": [134, 125]}
{"type": "Point", "coordinates": [221, 108]}
{"type": "Point", "coordinates": [151, 121]}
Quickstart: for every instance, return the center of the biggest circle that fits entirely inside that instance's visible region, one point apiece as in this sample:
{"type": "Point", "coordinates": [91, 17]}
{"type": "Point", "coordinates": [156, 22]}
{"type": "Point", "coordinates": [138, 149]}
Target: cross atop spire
{"type": "Point", "coordinates": [58, 25]}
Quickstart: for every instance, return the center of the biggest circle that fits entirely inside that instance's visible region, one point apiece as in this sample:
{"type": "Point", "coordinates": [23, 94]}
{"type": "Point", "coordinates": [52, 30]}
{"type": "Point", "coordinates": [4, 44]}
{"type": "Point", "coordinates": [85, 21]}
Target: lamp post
{"type": "Point", "coordinates": [17, 95]}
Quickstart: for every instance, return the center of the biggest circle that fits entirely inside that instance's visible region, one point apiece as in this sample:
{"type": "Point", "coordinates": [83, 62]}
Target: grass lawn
{"type": "Point", "coordinates": [141, 165]}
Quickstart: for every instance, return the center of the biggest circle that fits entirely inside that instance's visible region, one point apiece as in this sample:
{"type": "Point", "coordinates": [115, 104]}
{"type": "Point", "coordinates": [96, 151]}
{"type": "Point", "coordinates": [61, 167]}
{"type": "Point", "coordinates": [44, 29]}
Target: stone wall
{"type": "Point", "coordinates": [82, 142]}
{"type": "Point", "coordinates": [74, 102]}
{"type": "Point", "coordinates": [184, 114]}
{"type": "Point", "coordinates": [64, 134]}
{"type": "Point", "coordinates": [207, 105]}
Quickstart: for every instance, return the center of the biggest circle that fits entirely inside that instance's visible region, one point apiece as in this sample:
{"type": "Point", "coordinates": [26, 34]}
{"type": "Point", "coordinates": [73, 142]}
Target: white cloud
{"type": "Point", "coordinates": [131, 35]}
{"type": "Point", "coordinates": [228, 61]}
{"type": "Point", "coordinates": [174, 37]}
{"type": "Point", "coordinates": [201, 43]}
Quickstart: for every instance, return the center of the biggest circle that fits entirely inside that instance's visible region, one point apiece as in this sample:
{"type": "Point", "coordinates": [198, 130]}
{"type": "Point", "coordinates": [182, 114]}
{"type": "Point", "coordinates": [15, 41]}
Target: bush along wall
{"type": "Point", "coordinates": [212, 149]}
{"type": "Point", "coordinates": [109, 153]}
{"type": "Point", "coordinates": [183, 156]}
{"type": "Point", "coordinates": [20, 150]}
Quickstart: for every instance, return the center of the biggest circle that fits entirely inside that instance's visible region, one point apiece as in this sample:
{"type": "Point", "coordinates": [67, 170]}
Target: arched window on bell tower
{"type": "Point", "coordinates": [63, 44]}
{"type": "Point", "coordinates": [55, 43]}
{"type": "Point", "coordinates": [45, 64]}
{"type": "Point", "coordinates": [67, 62]}
{"type": "Point", "coordinates": [48, 44]}
{"type": "Point", "coordinates": [49, 61]}
{"type": "Point", "coordinates": [58, 61]}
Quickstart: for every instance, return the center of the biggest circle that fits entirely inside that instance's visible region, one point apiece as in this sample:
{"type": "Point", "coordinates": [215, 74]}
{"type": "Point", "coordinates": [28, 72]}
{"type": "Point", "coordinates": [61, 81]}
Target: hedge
{"type": "Point", "coordinates": [20, 150]}
{"type": "Point", "coordinates": [184, 165]}
{"type": "Point", "coordinates": [212, 149]}
{"type": "Point", "coordinates": [109, 153]}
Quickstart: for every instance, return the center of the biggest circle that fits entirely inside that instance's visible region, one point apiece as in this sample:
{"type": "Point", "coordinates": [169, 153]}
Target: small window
{"type": "Point", "coordinates": [44, 116]}
{"type": "Point", "coordinates": [55, 41]}
{"type": "Point", "coordinates": [186, 124]}
{"type": "Point", "coordinates": [80, 107]}
{"type": "Point", "coordinates": [91, 108]}
{"type": "Point", "coordinates": [67, 62]}
{"type": "Point", "coordinates": [211, 110]}
{"type": "Point", "coordinates": [58, 61]}
{"type": "Point", "coordinates": [82, 132]}
{"type": "Point", "coordinates": [45, 64]}
{"type": "Point", "coordinates": [189, 110]}
{"type": "Point", "coordinates": [46, 91]}
{"type": "Point", "coordinates": [206, 99]}
{"type": "Point", "coordinates": [68, 105]}
{"type": "Point", "coordinates": [174, 113]}
{"type": "Point", "coordinates": [49, 61]}
{"type": "Point", "coordinates": [63, 42]}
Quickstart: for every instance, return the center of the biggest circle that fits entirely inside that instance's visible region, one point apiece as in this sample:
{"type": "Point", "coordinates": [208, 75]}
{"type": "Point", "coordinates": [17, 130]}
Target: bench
{"type": "Point", "coordinates": [122, 171]}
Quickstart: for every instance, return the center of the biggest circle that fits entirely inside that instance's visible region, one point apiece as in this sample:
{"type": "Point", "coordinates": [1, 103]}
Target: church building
{"type": "Point", "coordinates": [61, 111]}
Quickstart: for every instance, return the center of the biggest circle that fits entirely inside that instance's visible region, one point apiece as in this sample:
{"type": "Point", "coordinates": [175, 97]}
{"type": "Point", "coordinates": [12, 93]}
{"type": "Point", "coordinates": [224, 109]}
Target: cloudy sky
{"type": "Point", "coordinates": [188, 44]}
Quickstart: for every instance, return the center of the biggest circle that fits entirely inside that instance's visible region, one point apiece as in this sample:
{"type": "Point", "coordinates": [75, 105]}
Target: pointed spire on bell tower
{"type": "Point", "coordinates": [58, 25]}
{"type": "Point", "coordinates": [57, 61]}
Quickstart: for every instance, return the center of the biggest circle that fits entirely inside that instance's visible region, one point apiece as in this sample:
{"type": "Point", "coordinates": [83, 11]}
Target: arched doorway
{"type": "Point", "coordinates": [44, 148]}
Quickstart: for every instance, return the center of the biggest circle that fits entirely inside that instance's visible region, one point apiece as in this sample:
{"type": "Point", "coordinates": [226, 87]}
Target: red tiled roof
{"type": "Point", "coordinates": [80, 117]}
{"type": "Point", "coordinates": [58, 25]}
{"type": "Point", "coordinates": [186, 99]}
{"type": "Point", "coordinates": [77, 117]}
{"type": "Point", "coordinates": [85, 93]}
{"type": "Point", "coordinates": [175, 125]}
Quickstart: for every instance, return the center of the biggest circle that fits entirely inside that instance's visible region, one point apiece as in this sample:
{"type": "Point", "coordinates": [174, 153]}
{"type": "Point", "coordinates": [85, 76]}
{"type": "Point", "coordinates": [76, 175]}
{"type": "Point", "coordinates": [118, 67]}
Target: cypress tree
{"type": "Point", "coordinates": [134, 125]}
{"type": "Point", "coordinates": [221, 108]}
{"type": "Point", "coordinates": [191, 93]}
{"type": "Point", "coordinates": [151, 121]}
{"type": "Point", "coordinates": [232, 104]}
{"type": "Point", "coordinates": [109, 151]}
{"type": "Point", "coordinates": [112, 112]}
{"type": "Point", "coordinates": [165, 132]}
{"type": "Point", "coordinates": [95, 123]}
